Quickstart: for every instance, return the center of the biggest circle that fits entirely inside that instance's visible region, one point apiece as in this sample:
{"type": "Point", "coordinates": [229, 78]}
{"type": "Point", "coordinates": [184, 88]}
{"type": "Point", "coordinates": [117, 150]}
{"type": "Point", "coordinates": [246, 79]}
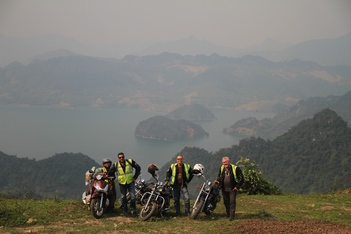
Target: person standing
{"type": "Point", "coordinates": [179, 176]}
{"type": "Point", "coordinates": [231, 179]}
{"type": "Point", "coordinates": [126, 180]}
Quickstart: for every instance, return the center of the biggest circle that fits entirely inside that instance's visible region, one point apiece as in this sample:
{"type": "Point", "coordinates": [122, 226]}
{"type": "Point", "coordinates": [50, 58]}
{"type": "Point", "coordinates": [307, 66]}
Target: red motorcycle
{"type": "Point", "coordinates": [100, 191]}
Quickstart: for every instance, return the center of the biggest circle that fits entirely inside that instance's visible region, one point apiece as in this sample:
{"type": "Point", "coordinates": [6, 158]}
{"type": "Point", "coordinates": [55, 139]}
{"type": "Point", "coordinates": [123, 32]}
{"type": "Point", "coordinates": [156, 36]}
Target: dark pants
{"type": "Point", "coordinates": [229, 199]}
{"type": "Point", "coordinates": [176, 197]}
{"type": "Point", "coordinates": [112, 196]}
{"type": "Point", "coordinates": [124, 188]}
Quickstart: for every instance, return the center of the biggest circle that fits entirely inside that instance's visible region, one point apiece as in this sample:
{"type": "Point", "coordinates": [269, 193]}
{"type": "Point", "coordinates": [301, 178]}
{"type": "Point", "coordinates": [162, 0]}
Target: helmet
{"type": "Point", "coordinates": [198, 169]}
{"type": "Point", "coordinates": [106, 160]}
{"type": "Point", "coordinates": [152, 168]}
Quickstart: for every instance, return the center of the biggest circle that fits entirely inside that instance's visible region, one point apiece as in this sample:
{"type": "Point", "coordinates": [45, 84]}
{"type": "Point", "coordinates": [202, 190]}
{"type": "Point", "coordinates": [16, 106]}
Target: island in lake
{"type": "Point", "coordinates": [163, 128]}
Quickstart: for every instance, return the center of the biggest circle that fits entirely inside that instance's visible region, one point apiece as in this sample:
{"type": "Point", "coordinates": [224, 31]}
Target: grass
{"type": "Point", "coordinates": [71, 216]}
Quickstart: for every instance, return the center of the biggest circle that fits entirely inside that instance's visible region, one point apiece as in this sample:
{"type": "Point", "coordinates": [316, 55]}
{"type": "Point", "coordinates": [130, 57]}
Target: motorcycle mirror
{"type": "Point", "coordinates": [155, 176]}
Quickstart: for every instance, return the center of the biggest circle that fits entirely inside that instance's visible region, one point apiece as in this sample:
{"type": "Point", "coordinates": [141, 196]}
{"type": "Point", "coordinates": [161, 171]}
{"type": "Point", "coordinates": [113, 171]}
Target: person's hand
{"type": "Point", "coordinates": [235, 189]}
{"type": "Point", "coordinates": [134, 180]}
{"type": "Point", "coordinates": [216, 182]}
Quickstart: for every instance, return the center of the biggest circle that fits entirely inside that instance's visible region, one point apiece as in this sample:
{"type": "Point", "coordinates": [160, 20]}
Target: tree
{"type": "Point", "coordinates": [254, 181]}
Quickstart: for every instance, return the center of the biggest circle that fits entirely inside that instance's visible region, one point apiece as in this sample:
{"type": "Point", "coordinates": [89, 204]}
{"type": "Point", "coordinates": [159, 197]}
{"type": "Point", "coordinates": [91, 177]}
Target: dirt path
{"type": "Point", "coordinates": [310, 227]}
{"type": "Point", "coordinates": [250, 226]}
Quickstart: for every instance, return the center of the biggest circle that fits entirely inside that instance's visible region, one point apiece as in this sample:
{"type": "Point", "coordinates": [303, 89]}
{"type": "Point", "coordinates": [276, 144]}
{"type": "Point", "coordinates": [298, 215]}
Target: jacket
{"type": "Point", "coordinates": [233, 182]}
{"type": "Point", "coordinates": [172, 172]}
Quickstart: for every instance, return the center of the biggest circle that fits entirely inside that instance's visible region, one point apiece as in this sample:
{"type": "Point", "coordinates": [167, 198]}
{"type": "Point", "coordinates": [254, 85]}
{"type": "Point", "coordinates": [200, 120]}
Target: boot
{"type": "Point", "coordinates": [232, 216]}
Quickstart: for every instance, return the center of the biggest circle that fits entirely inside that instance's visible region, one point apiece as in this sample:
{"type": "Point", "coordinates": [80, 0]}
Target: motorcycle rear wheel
{"type": "Point", "coordinates": [197, 209]}
{"type": "Point", "coordinates": [95, 208]}
{"type": "Point", "coordinates": [147, 211]}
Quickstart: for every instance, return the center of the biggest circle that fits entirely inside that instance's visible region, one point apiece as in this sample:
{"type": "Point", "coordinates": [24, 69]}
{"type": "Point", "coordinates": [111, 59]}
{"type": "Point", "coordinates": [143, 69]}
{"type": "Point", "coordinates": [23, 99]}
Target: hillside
{"type": "Point", "coordinates": [167, 81]}
{"type": "Point", "coordinates": [270, 128]}
{"type": "Point", "coordinates": [61, 175]}
{"type": "Point", "coordinates": [313, 156]}
{"type": "Point", "coordinates": [166, 129]}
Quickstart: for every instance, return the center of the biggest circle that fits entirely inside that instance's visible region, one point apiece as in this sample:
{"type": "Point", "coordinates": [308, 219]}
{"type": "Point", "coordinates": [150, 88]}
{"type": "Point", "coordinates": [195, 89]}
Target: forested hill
{"type": "Point", "coordinates": [313, 156]}
{"type": "Point", "coordinates": [61, 175]}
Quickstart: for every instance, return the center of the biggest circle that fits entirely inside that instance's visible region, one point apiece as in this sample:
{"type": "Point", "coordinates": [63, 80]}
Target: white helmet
{"type": "Point", "coordinates": [198, 169]}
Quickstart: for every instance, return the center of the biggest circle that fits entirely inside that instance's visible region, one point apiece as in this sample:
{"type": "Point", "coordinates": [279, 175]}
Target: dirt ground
{"type": "Point", "coordinates": [302, 227]}
{"type": "Point", "coordinates": [251, 226]}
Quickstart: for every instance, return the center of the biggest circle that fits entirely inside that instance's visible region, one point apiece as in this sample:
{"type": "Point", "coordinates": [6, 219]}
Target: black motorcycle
{"type": "Point", "coordinates": [156, 200]}
{"type": "Point", "coordinates": [207, 198]}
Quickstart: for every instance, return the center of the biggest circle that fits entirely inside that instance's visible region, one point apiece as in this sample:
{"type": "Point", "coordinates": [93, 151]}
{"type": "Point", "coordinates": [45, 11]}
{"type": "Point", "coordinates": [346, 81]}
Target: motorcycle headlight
{"type": "Point", "coordinates": [159, 189]}
{"type": "Point", "coordinates": [208, 186]}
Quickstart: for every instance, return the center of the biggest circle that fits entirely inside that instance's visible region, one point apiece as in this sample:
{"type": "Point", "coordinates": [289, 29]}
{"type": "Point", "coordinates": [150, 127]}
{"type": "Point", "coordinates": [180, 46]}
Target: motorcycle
{"type": "Point", "coordinates": [100, 191]}
{"type": "Point", "coordinates": [156, 200]}
{"type": "Point", "coordinates": [141, 186]}
{"type": "Point", "coordinates": [207, 198]}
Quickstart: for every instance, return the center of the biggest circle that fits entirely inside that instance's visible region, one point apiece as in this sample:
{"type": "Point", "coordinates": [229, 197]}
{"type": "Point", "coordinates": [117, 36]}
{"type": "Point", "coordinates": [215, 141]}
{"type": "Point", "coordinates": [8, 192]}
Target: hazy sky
{"type": "Point", "coordinates": [230, 23]}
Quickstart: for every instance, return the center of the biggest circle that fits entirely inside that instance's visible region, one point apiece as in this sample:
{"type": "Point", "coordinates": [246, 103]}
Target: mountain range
{"type": "Point", "coordinates": [167, 81]}
{"type": "Point", "coordinates": [325, 51]}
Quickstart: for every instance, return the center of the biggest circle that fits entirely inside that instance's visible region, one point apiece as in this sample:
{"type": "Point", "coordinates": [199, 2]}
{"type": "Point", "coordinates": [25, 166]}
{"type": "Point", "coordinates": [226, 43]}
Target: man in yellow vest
{"type": "Point", "coordinates": [178, 176]}
{"type": "Point", "coordinates": [126, 180]}
{"type": "Point", "coordinates": [231, 179]}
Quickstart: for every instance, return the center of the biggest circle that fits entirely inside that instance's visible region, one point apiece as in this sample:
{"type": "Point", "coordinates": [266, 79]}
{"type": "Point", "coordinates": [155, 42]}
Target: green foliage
{"type": "Point", "coordinates": [254, 181]}
{"type": "Point", "coordinates": [56, 176]}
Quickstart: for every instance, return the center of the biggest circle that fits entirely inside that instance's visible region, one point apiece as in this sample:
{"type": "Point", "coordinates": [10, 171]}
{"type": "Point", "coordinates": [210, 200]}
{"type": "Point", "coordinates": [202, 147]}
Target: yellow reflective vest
{"type": "Point", "coordinates": [125, 177]}
{"type": "Point", "coordinates": [174, 171]}
{"type": "Point", "coordinates": [234, 171]}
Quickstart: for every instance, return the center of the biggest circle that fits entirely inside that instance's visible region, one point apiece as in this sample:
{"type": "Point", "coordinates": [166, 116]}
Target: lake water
{"type": "Point", "coordinates": [41, 132]}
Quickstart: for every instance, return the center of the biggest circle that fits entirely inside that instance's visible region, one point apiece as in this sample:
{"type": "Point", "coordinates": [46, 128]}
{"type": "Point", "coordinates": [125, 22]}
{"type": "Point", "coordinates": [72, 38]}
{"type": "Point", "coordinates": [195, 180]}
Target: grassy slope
{"type": "Point", "coordinates": [67, 216]}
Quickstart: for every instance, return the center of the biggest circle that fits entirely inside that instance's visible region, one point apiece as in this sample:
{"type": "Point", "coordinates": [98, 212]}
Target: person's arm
{"type": "Point", "coordinates": [168, 174]}
{"type": "Point", "coordinates": [137, 170]}
{"type": "Point", "coordinates": [240, 176]}
{"type": "Point", "coordinates": [219, 177]}
{"type": "Point", "coordinates": [112, 171]}
{"type": "Point", "coordinates": [190, 174]}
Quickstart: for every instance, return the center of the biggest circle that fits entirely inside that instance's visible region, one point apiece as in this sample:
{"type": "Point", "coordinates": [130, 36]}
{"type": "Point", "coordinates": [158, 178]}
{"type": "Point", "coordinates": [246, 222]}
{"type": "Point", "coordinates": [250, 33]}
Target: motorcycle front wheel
{"type": "Point", "coordinates": [197, 209]}
{"type": "Point", "coordinates": [96, 209]}
{"type": "Point", "coordinates": [147, 211]}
